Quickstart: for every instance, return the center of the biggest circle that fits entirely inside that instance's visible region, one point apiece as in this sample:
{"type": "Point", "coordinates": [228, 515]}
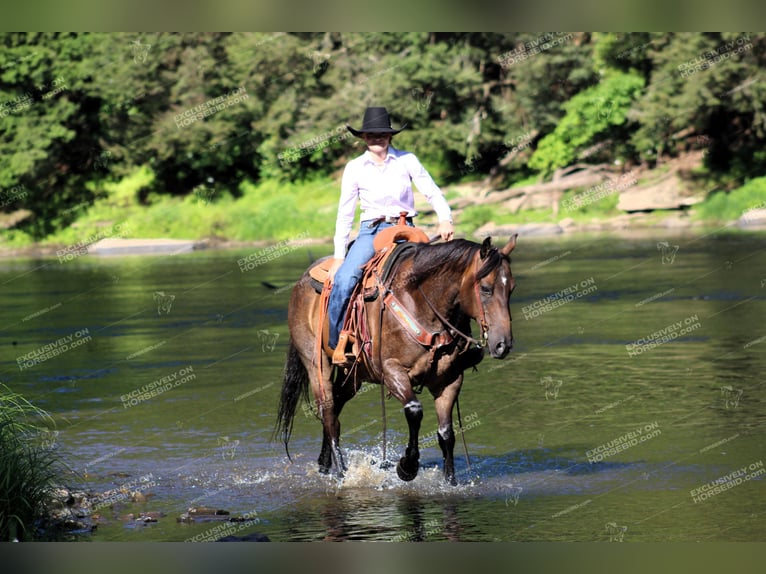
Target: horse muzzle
{"type": "Point", "coordinates": [499, 349]}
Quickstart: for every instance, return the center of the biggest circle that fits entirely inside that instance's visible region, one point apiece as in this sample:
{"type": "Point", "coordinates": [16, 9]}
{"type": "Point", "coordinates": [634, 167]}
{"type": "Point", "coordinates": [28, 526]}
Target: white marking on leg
{"type": "Point", "coordinates": [413, 405]}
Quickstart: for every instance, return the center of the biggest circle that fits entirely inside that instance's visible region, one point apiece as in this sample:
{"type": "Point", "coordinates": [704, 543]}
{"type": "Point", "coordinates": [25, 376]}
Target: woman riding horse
{"type": "Point", "coordinates": [439, 289]}
{"type": "Point", "coordinates": [436, 288]}
{"type": "Point", "coordinates": [381, 180]}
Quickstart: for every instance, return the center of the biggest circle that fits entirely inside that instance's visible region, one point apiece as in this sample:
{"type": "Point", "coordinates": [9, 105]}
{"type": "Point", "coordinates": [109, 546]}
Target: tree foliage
{"type": "Point", "coordinates": [593, 115]}
{"type": "Point", "coordinates": [219, 110]}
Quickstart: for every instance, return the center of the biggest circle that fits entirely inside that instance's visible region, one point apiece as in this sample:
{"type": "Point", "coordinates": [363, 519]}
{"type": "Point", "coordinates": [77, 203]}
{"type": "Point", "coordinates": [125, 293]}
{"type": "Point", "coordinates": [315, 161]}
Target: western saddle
{"type": "Point", "coordinates": [389, 244]}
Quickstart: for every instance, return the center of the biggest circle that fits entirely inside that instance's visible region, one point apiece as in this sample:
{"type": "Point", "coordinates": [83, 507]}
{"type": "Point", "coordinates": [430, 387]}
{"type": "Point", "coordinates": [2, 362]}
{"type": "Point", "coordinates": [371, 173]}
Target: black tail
{"type": "Point", "coordinates": [296, 383]}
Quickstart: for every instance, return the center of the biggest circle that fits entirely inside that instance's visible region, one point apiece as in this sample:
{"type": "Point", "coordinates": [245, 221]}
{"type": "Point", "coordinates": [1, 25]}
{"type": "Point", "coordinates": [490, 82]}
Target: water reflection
{"type": "Point", "coordinates": [401, 518]}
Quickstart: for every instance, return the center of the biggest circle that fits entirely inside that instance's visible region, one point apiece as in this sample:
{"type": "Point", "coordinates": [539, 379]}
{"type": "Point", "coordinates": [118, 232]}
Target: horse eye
{"type": "Point", "coordinates": [486, 290]}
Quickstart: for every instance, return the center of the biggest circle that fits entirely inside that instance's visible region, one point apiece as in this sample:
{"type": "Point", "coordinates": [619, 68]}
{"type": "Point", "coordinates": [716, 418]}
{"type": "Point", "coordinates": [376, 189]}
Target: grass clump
{"type": "Point", "coordinates": [29, 467]}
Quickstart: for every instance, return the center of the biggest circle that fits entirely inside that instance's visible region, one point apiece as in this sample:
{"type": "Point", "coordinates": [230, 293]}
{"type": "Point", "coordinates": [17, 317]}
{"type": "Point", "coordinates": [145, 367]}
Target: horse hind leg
{"type": "Point", "coordinates": [331, 455]}
{"type": "Point", "coordinates": [325, 455]}
{"type": "Point", "coordinates": [329, 413]}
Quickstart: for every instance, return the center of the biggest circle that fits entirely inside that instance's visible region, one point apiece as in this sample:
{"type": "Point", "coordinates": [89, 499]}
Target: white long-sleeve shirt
{"type": "Point", "coordinates": [383, 191]}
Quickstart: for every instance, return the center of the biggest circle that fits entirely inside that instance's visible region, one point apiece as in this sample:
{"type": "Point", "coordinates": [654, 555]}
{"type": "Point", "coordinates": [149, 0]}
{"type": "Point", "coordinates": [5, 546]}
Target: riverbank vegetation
{"type": "Point", "coordinates": [242, 136]}
{"type": "Point", "coordinates": [29, 466]}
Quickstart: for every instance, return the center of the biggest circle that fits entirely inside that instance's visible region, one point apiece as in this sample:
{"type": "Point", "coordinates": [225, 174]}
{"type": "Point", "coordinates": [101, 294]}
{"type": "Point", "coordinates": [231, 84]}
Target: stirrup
{"type": "Point", "coordinates": [339, 356]}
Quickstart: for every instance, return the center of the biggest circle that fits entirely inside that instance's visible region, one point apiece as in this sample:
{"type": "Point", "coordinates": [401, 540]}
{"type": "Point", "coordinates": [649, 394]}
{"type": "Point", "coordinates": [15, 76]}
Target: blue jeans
{"type": "Point", "coordinates": [349, 274]}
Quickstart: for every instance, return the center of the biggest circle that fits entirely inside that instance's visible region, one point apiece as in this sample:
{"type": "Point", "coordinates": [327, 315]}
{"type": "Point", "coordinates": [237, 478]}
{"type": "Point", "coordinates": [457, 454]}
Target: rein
{"type": "Point", "coordinates": [482, 316]}
{"type": "Point", "coordinates": [452, 329]}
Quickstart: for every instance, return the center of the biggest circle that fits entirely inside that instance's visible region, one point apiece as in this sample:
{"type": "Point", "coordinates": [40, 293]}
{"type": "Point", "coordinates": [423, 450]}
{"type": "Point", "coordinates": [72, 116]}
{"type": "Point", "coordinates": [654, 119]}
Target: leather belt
{"type": "Point", "coordinates": [387, 219]}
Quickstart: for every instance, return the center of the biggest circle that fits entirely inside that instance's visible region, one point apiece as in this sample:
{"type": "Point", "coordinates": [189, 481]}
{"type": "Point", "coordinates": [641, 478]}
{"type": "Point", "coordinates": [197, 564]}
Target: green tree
{"type": "Point", "coordinates": [50, 132]}
{"type": "Point", "coordinates": [213, 111]}
{"type": "Point", "coordinates": [595, 115]}
{"type": "Point", "coordinates": [704, 93]}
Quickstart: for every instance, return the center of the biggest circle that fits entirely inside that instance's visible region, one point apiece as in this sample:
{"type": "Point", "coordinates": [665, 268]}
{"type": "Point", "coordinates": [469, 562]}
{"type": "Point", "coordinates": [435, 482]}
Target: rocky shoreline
{"type": "Point", "coordinates": [629, 224]}
{"type": "Point", "coordinates": [73, 514]}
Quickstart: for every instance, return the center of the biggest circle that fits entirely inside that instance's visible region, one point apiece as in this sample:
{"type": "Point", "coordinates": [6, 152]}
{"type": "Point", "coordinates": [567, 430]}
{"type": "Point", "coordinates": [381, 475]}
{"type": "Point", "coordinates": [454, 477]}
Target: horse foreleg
{"type": "Point", "coordinates": [398, 382]}
{"type": "Point", "coordinates": [443, 403]}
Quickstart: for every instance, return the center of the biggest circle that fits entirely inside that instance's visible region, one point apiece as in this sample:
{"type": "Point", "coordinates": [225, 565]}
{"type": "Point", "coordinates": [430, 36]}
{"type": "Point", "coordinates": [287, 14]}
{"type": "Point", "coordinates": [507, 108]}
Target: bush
{"type": "Point", "coordinates": [731, 205]}
{"type": "Point", "coordinates": [592, 115]}
{"type": "Point", "coordinates": [29, 466]}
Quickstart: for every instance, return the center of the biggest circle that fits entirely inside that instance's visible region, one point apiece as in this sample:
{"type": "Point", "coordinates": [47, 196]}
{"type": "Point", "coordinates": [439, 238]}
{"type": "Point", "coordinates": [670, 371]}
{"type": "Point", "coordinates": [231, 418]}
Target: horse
{"type": "Point", "coordinates": [442, 286]}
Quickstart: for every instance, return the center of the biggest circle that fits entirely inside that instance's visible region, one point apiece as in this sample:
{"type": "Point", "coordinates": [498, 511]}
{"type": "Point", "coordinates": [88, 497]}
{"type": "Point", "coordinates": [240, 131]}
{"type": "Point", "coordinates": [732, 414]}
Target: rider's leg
{"type": "Point", "coordinates": [346, 278]}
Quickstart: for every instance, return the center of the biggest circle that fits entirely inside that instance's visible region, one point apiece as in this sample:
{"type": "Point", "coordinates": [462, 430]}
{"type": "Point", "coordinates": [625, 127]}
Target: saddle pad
{"type": "Point", "coordinates": [397, 252]}
{"type": "Point", "coordinates": [318, 273]}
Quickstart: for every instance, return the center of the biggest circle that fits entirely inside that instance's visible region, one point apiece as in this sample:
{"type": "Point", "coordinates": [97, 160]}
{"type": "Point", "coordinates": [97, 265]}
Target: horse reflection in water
{"type": "Point", "coordinates": [356, 517]}
{"type": "Point", "coordinates": [443, 287]}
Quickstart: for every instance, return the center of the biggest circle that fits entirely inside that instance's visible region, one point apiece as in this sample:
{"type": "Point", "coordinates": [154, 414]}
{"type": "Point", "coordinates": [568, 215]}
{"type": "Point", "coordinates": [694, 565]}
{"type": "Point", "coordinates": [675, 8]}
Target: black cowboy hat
{"type": "Point", "coordinates": [376, 121]}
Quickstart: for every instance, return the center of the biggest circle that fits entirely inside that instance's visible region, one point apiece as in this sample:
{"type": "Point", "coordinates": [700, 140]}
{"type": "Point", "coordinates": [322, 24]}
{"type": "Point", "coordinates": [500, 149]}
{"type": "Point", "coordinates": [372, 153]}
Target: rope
{"type": "Point", "coordinates": [462, 433]}
{"type": "Point", "coordinates": [383, 408]}
{"type": "Point", "coordinates": [380, 364]}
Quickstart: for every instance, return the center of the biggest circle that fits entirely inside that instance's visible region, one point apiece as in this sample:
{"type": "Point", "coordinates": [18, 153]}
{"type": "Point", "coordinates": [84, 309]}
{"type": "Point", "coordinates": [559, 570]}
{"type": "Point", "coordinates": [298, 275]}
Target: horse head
{"type": "Point", "coordinates": [491, 284]}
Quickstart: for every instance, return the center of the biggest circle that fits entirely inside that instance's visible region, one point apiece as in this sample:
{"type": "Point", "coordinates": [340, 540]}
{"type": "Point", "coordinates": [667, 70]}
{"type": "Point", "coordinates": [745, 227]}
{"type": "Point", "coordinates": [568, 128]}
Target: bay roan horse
{"type": "Point", "coordinates": [442, 286]}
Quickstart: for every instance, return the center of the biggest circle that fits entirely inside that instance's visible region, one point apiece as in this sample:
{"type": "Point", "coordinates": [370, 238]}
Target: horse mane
{"type": "Point", "coordinates": [455, 255]}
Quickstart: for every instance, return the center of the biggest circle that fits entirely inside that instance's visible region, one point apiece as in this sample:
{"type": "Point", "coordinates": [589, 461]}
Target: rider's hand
{"type": "Point", "coordinates": [445, 230]}
{"type": "Point", "coordinates": [336, 263]}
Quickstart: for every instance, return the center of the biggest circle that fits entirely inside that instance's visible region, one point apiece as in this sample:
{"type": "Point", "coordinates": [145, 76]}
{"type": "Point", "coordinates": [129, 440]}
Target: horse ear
{"type": "Point", "coordinates": [485, 247]}
{"type": "Point", "coordinates": [508, 247]}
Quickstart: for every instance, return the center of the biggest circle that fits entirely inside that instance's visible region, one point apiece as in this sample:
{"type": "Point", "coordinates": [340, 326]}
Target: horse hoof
{"type": "Point", "coordinates": [405, 474]}
{"type": "Point", "coordinates": [324, 469]}
{"type": "Point", "coordinates": [451, 480]}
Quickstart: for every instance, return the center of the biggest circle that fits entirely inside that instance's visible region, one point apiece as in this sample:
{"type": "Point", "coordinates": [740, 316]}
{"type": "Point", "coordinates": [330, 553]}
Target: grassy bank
{"type": "Point", "coordinates": [29, 467]}
{"type": "Point", "coordinates": [272, 211]}
{"type": "Point", "coordinates": [720, 207]}
{"type": "Point", "coordinates": [267, 211]}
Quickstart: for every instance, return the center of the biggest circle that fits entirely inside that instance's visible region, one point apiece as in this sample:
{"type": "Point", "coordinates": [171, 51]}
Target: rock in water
{"type": "Point", "coordinates": [205, 514]}
{"type": "Point", "coordinates": [252, 537]}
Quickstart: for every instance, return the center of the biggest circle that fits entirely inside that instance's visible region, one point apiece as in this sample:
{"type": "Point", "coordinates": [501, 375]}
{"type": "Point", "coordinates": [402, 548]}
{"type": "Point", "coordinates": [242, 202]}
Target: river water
{"type": "Point", "coordinates": [631, 408]}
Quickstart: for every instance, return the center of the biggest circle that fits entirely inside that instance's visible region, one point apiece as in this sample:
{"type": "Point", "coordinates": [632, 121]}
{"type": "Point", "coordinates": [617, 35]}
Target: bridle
{"type": "Point", "coordinates": [481, 319]}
